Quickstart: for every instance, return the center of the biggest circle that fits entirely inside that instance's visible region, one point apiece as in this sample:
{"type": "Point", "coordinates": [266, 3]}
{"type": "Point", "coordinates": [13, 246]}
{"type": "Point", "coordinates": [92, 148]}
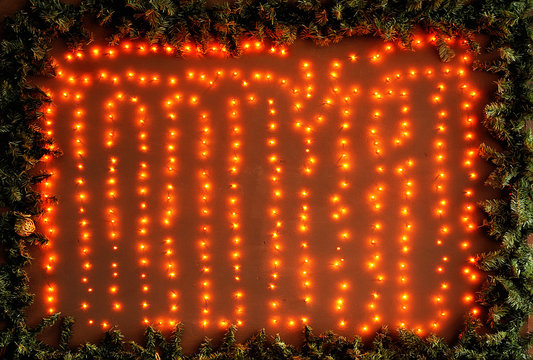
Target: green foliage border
{"type": "Point", "coordinates": [508, 292]}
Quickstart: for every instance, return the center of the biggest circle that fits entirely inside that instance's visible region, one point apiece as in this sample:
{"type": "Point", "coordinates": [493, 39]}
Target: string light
{"type": "Point", "coordinates": [169, 196]}
{"type": "Point", "coordinates": [48, 218]}
{"type": "Point", "coordinates": [234, 217]}
{"type": "Point", "coordinates": [112, 211]}
{"type": "Point", "coordinates": [274, 211]}
{"type": "Point", "coordinates": [337, 101]}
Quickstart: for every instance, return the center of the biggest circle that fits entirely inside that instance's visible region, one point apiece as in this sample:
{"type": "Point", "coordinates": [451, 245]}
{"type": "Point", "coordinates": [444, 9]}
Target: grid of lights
{"type": "Point", "coordinates": [338, 111]}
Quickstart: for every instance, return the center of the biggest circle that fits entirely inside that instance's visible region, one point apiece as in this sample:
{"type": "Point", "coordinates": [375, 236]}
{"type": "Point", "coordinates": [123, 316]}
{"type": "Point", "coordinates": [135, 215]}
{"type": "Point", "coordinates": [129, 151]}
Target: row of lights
{"type": "Point", "coordinates": [210, 81]}
{"type": "Point", "coordinates": [248, 46]}
{"type": "Point", "coordinates": [189, 49]}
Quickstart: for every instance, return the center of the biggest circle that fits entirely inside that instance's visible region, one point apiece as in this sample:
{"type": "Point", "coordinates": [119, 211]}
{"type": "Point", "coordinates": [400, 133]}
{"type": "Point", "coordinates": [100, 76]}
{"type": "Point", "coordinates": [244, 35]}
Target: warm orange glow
{"type": "Point", "coordinates": [282, 234]}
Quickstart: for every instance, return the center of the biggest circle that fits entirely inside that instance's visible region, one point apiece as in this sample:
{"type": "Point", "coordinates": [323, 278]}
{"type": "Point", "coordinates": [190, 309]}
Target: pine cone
{"type": "Point", "coordinates": [24, 225]}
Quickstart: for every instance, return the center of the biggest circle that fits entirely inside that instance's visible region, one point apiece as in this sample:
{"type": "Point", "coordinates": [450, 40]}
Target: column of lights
{"type": "Point", "coordinates": [234, 168]}
{"type": "Point", "coordinates": [342, 160]}
{"type": "Point", "coordinates": [169, 195]}
{"type": "Point", "coordinates": [469, 94]}
{"type": "Point", "coordinates": [376, 195]}
{"type": "Point", "coordinates": [81, 195]}
{"type": "Point", "coordinates": [47, 219]}
{"type": "Point", "coordinates": [439, 183]}
{"type": "Point", "coordinates": [112, 215]}
{"type": "Point", "coordinates": [204, 155]}
{"type": "Point", "coordinates": [405, 195]}
{"type": "Point", "coordinates": [306, 129]}
{"type": "Point", "coordinates": [143, 220]}
{"type": "Point", "coordinates": [204, 179]}
{"type": "Point", "coordinates": [404, 133]}
{"type": "Point", "coordinates": [274, 210]}
{"type": "Point", "coordinates": [442, 203]}
{"type": "Point", "coordinates": [378, 191]}
{"type": "Point", "coordinates": [377, 140]}
{"type": "Point", "coordinates": [110, 212]}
